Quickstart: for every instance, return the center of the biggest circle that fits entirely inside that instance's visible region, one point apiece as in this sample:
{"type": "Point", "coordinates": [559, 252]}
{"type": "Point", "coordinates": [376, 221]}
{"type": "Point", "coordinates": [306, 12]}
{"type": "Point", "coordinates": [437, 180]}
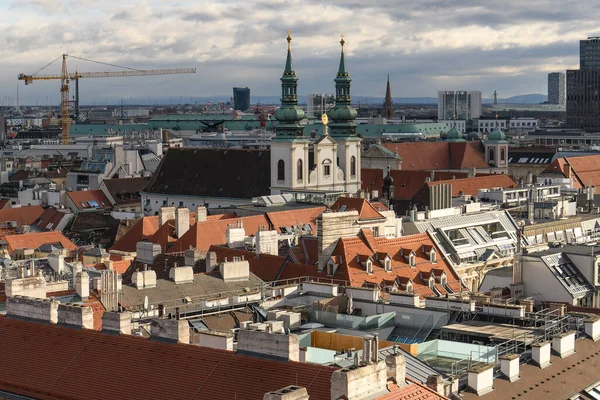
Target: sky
{"type": "Point", "coordinates": [424, 45]}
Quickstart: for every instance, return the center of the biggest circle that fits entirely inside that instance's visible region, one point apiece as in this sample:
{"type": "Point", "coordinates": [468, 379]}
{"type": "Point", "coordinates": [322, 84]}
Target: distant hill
{"type": "Point", "coordinates": [521, 99]}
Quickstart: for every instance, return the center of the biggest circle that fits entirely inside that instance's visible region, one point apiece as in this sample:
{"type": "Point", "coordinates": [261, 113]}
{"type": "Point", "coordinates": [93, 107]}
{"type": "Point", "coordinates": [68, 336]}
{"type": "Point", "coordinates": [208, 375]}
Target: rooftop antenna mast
{"type": "Point", "coordinates": [495, 97]}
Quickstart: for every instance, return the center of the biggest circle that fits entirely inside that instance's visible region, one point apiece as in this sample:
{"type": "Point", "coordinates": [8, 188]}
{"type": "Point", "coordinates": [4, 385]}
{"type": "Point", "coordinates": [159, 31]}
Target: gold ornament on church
{"type": "Point", "coordinates": [324, 119]}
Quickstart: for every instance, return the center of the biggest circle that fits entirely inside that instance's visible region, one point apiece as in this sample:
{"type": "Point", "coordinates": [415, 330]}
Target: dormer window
{"type": "Point", "coordinates": [412, 261]}
{"type": "Point", "coordinates": [444, 279]}
{"type": "Point", "coordinates": [388, 264]}
{"type": "Point", "coordinates": [369, 266]}
{"type": "Point", "coordinates": [409, 287]}
{"type": "Point", "coordinates": [432, 256]}
{"type": "Point", "coordinates": [431, 281]}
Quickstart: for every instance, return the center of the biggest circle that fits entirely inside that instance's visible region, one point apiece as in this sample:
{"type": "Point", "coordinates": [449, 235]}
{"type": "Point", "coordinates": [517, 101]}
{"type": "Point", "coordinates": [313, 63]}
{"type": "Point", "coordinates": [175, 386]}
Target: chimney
{"type": "Point", "coordinates": [540, 352]}
{"type": "Point", "coordinates": [116, 323]}
{"type": "Point", "coordinates": [33, 309]}
{"type": "Point", "coordinates": [396, 367]}
{"type": "Point", "coordinates": [57, 262]}
{"type": "Point", "coordinates": [436, 383]}
{"type": "Point", "coordinates": [367, 349]}
{"type": "Point", "coordinates": [182, 221]}
{"type": "Point", "coordinates": [201, 214]}
{"type": "Point", "coordinates": [567, 171]}
{"type": "Point", "coordinates": [563, 344]}
{"type": "Point", "coordinates": [509, 366]}
{"type": "Point", "coordinates": [375, 348]}
{"type": "Point", "coordinates": [237, 270]}
{"type": "Point", "coordinates": [165, 213]}
{"type": "Point", "coordinates": [288, 393]}
{"type": "Point", "coordinates": [181, 275]}
{"type": "Point", "coordinates": [235, 235]}
{"type": "Point", "coordinates": [480, 379]}
{"type": "Point", "coordinates": [472, 172]}
{"type": "Point", "coordinates": [75, 316]}
{"type": "Point", "coordinates": [211, 261]}
{"type": "Point", "coordinates": [592, 327]}
{"type": "Point", "coordinates": [170, 330]}
{"type": "Point", "coordinates": [82, 285]}
{"type": "Point", "coordinates": [267, 242]}
{"type": "Point", "coordinates": [192, 256]}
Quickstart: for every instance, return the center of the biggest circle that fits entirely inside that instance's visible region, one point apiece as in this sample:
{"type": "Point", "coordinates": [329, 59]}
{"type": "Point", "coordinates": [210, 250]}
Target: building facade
{"type": "Point", "coordinates": [332, 163]}
{"type": "Point", "coordinates": [583, 100]}
{"type": "Point", "coordinates": [241, 98]}
{"type": "Point", "coordinates": [589, 53]}
{"type": "Point", "coordinates": [557, 88]}
{"type": "Point", "coordinates": [459, 105]}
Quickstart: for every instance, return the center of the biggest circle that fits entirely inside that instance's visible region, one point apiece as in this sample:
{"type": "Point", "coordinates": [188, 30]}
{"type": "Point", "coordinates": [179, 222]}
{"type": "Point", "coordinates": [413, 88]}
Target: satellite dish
{"type": "Point", "coordinates": [145, 303]}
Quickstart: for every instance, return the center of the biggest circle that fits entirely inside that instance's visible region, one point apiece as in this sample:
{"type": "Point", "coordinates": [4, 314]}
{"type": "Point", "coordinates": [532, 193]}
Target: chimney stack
{"type": "Point", "coordinates": [201, 214]}
{"type": "Point", "coordinates": [165, 214]}
{"type": "Point", "coordinates": [182, 221]}
{"type": "Point", "coordinates": [375, 348]}
{"type": "Point", "coordinates": [367, 349]}
{"type": "Point", "coordinates": [82, 285]}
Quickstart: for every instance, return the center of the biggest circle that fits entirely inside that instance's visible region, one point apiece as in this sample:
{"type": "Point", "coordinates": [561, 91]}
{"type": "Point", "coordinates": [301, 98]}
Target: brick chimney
{"type": "Point", "coordinates": [396, 368]}
{"type": "Point", "coordinates": [540, 353]}
{"type": "Point", "coordinates": [172, 330]}
{"type": "Point", "coordinates": [75, 316]}
{"type": "Point", "coordinates": [82, 285]}
{"type": "Point", "coordinates": [480, 379]}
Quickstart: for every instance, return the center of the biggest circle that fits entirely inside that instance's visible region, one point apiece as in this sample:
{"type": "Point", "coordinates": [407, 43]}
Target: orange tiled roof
{"type": "Point", "coordinates": [290, 218]}
{"type": "Point", "coordinates": [413, 391]}
{"type": "Point", "coordinates": [408, 183]}
{"type": "Point", "coordinates": [470, 186]}
{"type": "Point", "coordinates": [85, 196]}
{"type": "Point", "coordinates": [364, 208]}
{"type": "Point", "coordinates": [372, 179]}
{"type": "Point", "coordinates": [268, 267]}
{"type": "Point", "coordinates": [35, 240]}
{"type": "Point", "coordinates": [353, 271]}
{"type": "Point", "coordinates": [439, 155]}
{"type": "Point", "coordinates": [37, 356]}
{"type": "Point", "coordinates": [464, 155]}
{"type": "Point", "coordinates": [584, 169]}
{"type": "Point", "coordinates": [23, 215]}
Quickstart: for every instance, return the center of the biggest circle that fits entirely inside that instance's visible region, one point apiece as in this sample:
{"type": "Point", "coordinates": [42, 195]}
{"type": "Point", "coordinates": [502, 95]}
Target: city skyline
{"type": "Point", "coordinates": [425, 47]}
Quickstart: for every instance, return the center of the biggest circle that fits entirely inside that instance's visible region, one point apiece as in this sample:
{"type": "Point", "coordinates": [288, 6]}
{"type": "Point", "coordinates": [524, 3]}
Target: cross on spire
{"type": "Point", "coordinates": [342, 42]}
{"type": "Point", "coordinates": [289, 39]}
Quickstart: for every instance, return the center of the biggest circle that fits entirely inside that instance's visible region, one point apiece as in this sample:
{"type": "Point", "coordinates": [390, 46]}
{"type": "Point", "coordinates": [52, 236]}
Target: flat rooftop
{"type": "Point", "coordinates": [564, 378]}
{"type": "Point", "coordinates": [488, 330]}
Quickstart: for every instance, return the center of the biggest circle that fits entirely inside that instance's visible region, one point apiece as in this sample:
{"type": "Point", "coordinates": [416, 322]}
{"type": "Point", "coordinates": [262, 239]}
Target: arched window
{"type": "Point", "coordinates": [299, 169]}
{"type": "Point", "coordinates": [502, 154]}
{"type": "Point", "coordinates": [281, 170]}
{"type": "Point", "coordinates": [491, 155]}
{"type": "Point", "coordinates": [353, 166]}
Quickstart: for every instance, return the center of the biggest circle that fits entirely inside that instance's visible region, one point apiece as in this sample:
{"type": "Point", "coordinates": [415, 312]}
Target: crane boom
{"type": "Point", "coordinates": [65, 77]}
{"type": "Point", "coordinates": [112, 74]}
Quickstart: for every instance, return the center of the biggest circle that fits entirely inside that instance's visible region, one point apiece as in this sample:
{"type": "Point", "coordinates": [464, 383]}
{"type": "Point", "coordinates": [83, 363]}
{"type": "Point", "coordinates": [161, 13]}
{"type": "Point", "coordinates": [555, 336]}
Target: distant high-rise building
{"type": "Point", "coordinates": [241, 99]}
{"type": "Point", "coordinates": [318, 103]}
{"type": "Point", "coordinates": [459, 105]}
{"type": "Point", "coordinates": [556, 88]}
{"type": "Point", "coordinates": [2, 124]}
{"type": "Point", "coordinates": [589, 53]}
{"type": "Point", "coordinates": [583, 100]}
{"type": "Point", "coordinates": [388, 104]}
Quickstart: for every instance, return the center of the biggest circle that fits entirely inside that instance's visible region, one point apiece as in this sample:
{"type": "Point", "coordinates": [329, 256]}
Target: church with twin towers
{"type": "Point", "coordinates": [329, 165]}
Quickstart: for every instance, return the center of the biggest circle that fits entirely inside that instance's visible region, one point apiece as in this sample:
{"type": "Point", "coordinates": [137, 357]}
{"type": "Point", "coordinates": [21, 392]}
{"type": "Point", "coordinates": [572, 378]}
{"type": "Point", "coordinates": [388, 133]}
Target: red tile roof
{"type": "Point", "coordinates": [35, 240]}
{"type": "Point", "coordinates": [584, 170]}
{"type": "Point", "coordinates": [126, 190]}
{"type": "Point", "coordinates": [365, 245]}
{"type": "Point", "coordinates": [372, 179]}
{"type": "Point", "coordinates": [470, 186]}
{"type": "Point", "coordinates": [364, 208]}
{"type": "Point", "coordinates": [22, 215]}
{"type": "Point", "coordinates": [291, 218]}
{"type": "Point", "coordinates": [39, 360]}
{"type": "Point", "coordinates": [50, 218]}
{"type": "Point", "coordinates": [439, 155]}
{"type": "Point", "coordinates": [412, 391]}
{"type": "Point", "coordinates": [85, 196]}
{"type": "Point", "coordinates": [408, 183]}
{"type": "Point", "coordinates": [268, 267]}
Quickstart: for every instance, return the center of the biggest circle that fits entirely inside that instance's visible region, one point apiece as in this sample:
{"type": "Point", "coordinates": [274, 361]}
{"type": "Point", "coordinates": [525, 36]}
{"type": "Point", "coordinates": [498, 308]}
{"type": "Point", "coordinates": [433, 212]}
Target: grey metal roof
{"type": "Point", "coordinates": [568, 275]}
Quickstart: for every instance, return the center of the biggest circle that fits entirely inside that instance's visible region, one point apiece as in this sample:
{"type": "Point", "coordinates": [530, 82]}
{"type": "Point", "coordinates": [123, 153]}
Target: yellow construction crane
{"type": "Point", "coordinates": [65, 79]}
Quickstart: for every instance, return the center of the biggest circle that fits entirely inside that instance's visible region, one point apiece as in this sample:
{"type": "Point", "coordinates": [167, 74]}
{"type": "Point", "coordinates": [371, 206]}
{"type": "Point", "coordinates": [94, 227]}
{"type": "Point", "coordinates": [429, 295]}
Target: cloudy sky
{"type": "Point", "coordinates": [425, 45]}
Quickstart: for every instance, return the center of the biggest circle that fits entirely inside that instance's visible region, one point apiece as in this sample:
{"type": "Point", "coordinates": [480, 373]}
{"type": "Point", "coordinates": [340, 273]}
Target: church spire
{"type": "Point", "coordinates": [289, 114]}
{"type": "Point", "coordinates": [388, 105]}
{"type": "Point", "coordinates": [342, 115]}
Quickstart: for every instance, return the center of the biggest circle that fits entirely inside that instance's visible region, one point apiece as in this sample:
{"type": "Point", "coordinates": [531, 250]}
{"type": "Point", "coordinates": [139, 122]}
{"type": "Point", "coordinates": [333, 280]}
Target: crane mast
{"type": "Point", "coordinates": [65, 120]}
{"type": "Point", "coordinates": [65, 79]}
